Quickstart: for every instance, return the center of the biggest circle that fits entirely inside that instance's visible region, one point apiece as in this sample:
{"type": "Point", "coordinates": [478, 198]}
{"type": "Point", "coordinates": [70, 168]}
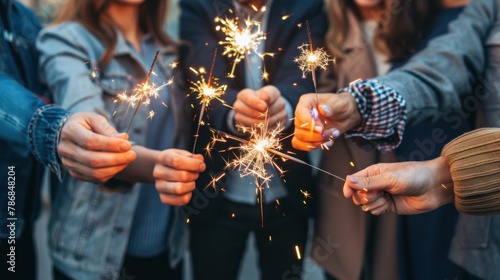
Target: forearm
{"type": "Point", "coordinates": [435, 78]}
{"type": "Point", "coordinates": [140, 170]}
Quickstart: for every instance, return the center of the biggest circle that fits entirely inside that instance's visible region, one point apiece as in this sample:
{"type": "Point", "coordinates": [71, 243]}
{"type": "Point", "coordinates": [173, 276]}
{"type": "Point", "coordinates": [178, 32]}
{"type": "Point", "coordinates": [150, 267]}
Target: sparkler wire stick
{"type": "Point", "coordinates": [203, 104]}
{"type": "Point", "coordinates": [278, 153]}
{"type": "Point", "coordinates": [145, 83]}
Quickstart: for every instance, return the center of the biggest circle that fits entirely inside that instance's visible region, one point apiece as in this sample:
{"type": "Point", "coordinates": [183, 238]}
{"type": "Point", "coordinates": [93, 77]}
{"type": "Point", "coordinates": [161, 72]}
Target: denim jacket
{"type": "Point", "coordinates": [26, 123]}
{"type": "Point", "coordinates": [89, 228]}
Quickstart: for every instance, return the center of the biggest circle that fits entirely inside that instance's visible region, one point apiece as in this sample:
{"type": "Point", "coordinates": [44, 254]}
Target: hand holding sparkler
{"type": "Point", "coordinates": [175, 173]}
{"type": "Point", "coordinates": [338, 113]}
{"type": "Point", "coordinates": [252, 107]}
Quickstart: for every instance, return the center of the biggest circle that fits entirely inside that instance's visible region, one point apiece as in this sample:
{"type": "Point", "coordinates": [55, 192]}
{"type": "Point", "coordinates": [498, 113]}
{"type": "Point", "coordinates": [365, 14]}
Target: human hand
{"type": "Point", "coordinates": [91, 149]}
{"type": "Point", "coordinates": [251, 106]}
{"type": "Point", "coordinates": [402, 188]}
{"type": "Point", "coordinates": [175, 173]}
{"type": "Point", "coordinates": [337, 113]}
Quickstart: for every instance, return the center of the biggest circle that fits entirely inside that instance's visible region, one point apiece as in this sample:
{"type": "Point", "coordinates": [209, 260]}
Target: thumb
{"type": "Point", "coordinates": [365, 183]}
{"type": "Point", "coordinates": [100, 125]}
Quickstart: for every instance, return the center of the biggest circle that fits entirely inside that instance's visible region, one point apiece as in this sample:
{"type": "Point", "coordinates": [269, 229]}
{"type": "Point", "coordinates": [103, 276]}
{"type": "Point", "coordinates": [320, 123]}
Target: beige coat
{"type": "Point", "coordinates": [349, 242]}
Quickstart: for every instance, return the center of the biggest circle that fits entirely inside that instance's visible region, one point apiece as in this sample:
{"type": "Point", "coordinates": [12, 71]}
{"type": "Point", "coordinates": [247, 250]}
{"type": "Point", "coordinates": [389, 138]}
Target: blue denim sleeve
{"type": "Point", "coordinates": [17, 105]}
{"type": "Point", "coordinates": [44, 133]}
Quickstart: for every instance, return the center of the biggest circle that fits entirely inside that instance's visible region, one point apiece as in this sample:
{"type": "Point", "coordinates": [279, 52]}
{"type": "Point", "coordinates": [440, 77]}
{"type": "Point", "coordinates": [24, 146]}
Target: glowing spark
{"type": "Point", "coordinates": [206, 92]}
{"type": "Point", "coordinates": [309, 60]}
{"type": "Point", "coordinates": [306, 194]}
{"type": "Point", "coordinates": [94, 75]}
{"type": "Point", "coordinates": [351, 163]}
{"type": "Point", "coordinates": [297, 250]}
{"type": "Point", "coordinates": [240, 40]}
{"type": "Point", "coordinates": [442, 185]}
{"type": "Point", "coordinates": [233, 215]}
{"type": "Point", "coordinates": [254, 153]}
{"type": "Point", "coordinates": [285, 17]}
{"type": "Point", "coordinates": [270, 238]}
{"type": "Point", "coordinates": [151, 114]}
{"type": "Point", "coordinates": [143, 92]}
{"type": "Point", "coordinates": [174, 64]}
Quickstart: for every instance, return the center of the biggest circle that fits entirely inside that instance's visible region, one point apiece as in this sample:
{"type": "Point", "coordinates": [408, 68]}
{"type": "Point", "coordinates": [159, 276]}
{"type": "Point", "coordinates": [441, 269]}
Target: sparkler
{"type": "Point", "coordinates": [309, 60]}
{"type": "Point", "coordinates": [207, 91]}
{"type": "Point", "coordinates": [262, 148]}
{"type": "Point", "coordinates": [144, 91]}
{"type": "Point", "coordinates": [241, 39]}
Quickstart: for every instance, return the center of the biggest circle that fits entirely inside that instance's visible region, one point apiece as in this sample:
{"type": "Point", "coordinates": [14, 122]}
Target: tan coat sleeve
{"type": "Point", "coordinates": [474, 160]}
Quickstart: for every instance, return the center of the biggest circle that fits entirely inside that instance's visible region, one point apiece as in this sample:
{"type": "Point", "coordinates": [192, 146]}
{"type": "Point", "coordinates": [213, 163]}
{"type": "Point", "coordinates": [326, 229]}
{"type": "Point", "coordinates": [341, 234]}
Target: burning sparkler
{"type": "Point", "coordinates": [309, 60]}
{"type": "Point", "coordinates": [207, 91]}
{"type": "Point", "coordinates": [241, 39]}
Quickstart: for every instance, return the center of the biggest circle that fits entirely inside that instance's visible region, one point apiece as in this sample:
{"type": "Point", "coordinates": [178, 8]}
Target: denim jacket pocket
{"type": "Point", "coordinates": [473, 231]}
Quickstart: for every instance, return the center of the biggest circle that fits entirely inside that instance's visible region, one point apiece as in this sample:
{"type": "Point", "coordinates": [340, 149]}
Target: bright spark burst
{"type": "Point", "coordinates": [309, 60]}
{"type": "Point", "coordinates": [255, 152]}
{"type": "Point", "coordinates": [240, 40]}
{"type": "Point", "coordinates": [207, 91]}
{"type": "Point", "coordinates": [142, 94]}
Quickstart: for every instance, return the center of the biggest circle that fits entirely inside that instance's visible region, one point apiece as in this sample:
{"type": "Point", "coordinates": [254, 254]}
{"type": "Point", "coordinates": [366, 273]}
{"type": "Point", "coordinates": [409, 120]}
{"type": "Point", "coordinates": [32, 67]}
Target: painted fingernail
{"type": "Point", "coordinates": [329, 144]}
{"type": "Point", "coordinates": [318, 128]}
{"type": "Point", "coordinates": [353, 179]}
{"type": "Point", "coordinates": [314, 114]}
{"type": "Point", "coordinates": [364, 208]}
{"type": "Point", "coordinates": [323, 135]}
{"type": "Point", "coordinates": [335, 133]}
{"type": "Point", "coordinates": [326, 109]}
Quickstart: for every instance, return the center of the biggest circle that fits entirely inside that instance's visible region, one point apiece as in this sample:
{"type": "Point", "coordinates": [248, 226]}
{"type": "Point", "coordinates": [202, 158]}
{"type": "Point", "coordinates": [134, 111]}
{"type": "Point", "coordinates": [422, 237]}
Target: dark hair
{"type": "Point", "coordinates": [401, 27]}
{"type": "Point", "coordinates": [90, 13]}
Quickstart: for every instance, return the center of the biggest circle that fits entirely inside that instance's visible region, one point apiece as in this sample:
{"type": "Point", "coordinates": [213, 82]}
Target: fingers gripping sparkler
{"type": "Point", "coordinates": [309, 61]}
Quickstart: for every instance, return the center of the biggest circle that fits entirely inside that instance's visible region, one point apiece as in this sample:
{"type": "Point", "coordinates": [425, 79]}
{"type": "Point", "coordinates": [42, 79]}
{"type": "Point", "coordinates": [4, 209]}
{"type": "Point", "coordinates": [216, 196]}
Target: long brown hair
{"type": "Point", "coordinates": [90, 13]}
{"type": "Point", "coordinates": [401, 27]}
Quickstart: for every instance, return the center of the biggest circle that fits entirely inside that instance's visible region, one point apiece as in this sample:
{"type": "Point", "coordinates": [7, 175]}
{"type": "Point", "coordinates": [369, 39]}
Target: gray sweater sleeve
{"type": "Point", "coordinates": [451, 65]}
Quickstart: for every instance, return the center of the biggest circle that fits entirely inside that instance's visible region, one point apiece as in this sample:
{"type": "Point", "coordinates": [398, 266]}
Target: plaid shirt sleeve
{"type": "Point", "coordinates": [383, 111]}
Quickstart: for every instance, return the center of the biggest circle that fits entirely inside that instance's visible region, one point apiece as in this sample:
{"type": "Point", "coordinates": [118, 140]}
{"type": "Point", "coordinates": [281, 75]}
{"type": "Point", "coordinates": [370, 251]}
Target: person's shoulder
{"type": "Point", "coordinates": [66, 28]}
{"type": "Point", "coordinates": [71, 32]}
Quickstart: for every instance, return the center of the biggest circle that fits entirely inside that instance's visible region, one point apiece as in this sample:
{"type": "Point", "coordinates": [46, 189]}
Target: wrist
{"type": "Point", "coordinates": [443, 182]}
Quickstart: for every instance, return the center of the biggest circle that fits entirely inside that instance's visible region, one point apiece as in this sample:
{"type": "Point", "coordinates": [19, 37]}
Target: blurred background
{"type": "Point", "coordinates": [45, 10]}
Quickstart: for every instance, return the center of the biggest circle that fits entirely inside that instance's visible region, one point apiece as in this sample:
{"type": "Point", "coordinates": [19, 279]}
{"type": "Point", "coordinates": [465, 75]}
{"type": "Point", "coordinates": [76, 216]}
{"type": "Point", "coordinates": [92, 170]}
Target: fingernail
{"type": "Point", "coordinates": [125, 146]}
{"type": "Point", "coordinates": [130, 156]}
{"type": "Point", "coordinates": [323, 135]}
{"type": "Point", "coordinates": [335, 133]}
{"type": "Point", "coordinates": [364, 208]}
{"type": "Point", "coordinates": [353, 179]}
{"type": "Point", "coordinates": [314, 114]}
{"type": "Point", "coordinates": [318, 128]}
{"type": "Point", "coordinates": [326, 109]}
{"type": "Point", "coordinates": [329, 144]}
